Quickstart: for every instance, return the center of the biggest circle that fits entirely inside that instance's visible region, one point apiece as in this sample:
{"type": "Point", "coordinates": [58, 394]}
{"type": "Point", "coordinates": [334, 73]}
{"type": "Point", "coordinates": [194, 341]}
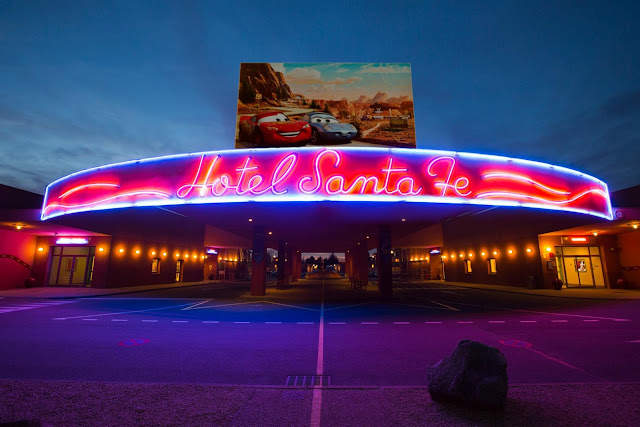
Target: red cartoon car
{"type": "Point", "coordinates": [273, 129]}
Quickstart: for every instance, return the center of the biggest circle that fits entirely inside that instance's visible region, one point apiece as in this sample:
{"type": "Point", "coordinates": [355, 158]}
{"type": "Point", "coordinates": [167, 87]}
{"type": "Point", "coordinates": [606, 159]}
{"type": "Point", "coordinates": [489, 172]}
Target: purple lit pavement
{"type": "Point", "coordinates": [372, 354]}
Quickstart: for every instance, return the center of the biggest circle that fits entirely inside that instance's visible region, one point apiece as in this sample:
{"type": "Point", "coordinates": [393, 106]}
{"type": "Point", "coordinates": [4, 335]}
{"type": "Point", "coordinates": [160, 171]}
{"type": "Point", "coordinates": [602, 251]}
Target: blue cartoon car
{"type": "Point", "coordinates": [327, 129]}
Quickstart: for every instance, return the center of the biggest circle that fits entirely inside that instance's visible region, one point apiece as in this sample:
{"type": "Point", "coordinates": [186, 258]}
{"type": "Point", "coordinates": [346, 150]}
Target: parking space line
{"type": "Point", "coordinates": [368, 323]}
{"type": "Point", "coordinates": [242, 322]}
{"type": "Point", "coordinates": [590, 320]}
{"type": "Point", "coordinates": [305, 323]}
{"type": "Point", "coordinates": [121, 312]}
{"type": "Point", "coordinates": [464, 322]}
{"type": "Point", "coordinates": [210, 321]}
{"type": "Point", "coordinates": [179, 321]}
{"type": "Point", "coordinates": [559, 321]}
{"type": "Point", "coordinates": [197, 304]}
{"type": "Point", "coordinates": [337, 323]}
{"type": "Point", "coordinates": [273, 323]}
{"type": "Point", "coordinates": [432, 323]}
{"type": "Point", "coordinates": [90, 319]}
{"type": "Point", "coordinates": [401, 323]}
{"type": "Point", "coordinates": [528, 321]}
{"type": "Point", "coordinates": [149, 321]}
{"type": "Point", "coordinates": [119, 320]}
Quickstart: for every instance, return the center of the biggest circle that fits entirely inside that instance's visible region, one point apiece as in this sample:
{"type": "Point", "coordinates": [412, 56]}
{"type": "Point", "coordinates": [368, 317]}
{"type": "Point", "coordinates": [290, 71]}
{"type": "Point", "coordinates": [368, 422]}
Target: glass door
{"type": "Point", "coordinates": [71, 266]}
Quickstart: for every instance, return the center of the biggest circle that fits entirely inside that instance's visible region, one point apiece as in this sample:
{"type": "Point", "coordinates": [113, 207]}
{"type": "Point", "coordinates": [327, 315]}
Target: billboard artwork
{"type": "Point", "coordinates": [325, 104]}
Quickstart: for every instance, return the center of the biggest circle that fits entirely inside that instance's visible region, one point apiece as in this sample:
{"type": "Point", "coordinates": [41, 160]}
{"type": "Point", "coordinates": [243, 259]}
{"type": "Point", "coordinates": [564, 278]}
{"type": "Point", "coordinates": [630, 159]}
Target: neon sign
{"type": "Point", "coordinates": [333, 174]}
{"type": "Point", "coordinates": [72, 241]}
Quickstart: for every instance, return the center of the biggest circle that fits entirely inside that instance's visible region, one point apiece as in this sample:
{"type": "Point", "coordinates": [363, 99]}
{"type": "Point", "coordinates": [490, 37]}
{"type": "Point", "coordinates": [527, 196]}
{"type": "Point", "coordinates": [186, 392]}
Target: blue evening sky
{"type": "Point", "coordinates": [85, 83]}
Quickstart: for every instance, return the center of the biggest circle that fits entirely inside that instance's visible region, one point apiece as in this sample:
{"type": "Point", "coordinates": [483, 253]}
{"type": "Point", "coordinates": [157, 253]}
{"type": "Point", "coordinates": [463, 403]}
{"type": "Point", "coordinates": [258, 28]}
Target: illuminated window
{"type": "Point", "coordinates": [491, 265]}
{"type": "Point", "coordinates": [155, 266]}
{"type": "Point", "coordinates": [467, 266]}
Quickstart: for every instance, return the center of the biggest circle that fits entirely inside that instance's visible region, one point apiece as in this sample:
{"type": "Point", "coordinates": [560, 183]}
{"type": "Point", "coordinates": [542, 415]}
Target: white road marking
{"type": "Point", "coordinates": [31, 306]}
{"type": "Point", "coordinates": [305, 323]}
{"type": "Point", "coordinates": [559, 321]}
{"type": "Point", "coordinates": [528, 321]}
{"type": "Point", "coordinates": [196, 305]}
{"type": "Point", "coordinates": [119, 320]}
{"type": "Point", "coordinates": [337, 323]}
{"type": "Point", "coordinates": [465, 322]}
{"type": "Point", "coordinates": [368, 323]}
{"type": "Point", "coordinates": [401, 323]}
{"type": "Point", "coordinates": [121, 312]}
{"type": "Point", "coordinates": [432, 323]}
{"type": "Point", "coordinates": [90, 319]}
{"type": "Point", "coordinates": [242, 322]}
{"type": "Point", "coordinates": [179, 321]}
{"type": "Point", "coordinates": [590, 320]}
{"type": "Point", "coordinates": [273, 323]}
{"type": "Point", "coordinates": [316, 403]}
{"type": "Point", "coordinates": [345, 306]}
{"type": "Point", "coordinates": [636, 341]}
{"type": "Point", "coordinates": [150, 321]}
{"type": "Point", "coordinates": [496, 321]}
{"type": "Point", "coordinates": [210, 321]}
{"type": "Point", "coordinates": [542, 312]}
{"type": "Point", "coordinates": [444, 305]}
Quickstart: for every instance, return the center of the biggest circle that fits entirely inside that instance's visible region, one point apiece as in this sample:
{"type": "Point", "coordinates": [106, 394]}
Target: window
{"type": "Point", "coordinates": [155, 266]}
{"type": "Point", "coordinates": [467, 266]}
{"type": "Point", "coordinates": [491, 264]}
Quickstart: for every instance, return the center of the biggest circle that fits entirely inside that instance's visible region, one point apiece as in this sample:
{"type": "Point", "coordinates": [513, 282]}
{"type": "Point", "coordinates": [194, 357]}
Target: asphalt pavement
{"type": "Point", "coordinates": [318, 352]}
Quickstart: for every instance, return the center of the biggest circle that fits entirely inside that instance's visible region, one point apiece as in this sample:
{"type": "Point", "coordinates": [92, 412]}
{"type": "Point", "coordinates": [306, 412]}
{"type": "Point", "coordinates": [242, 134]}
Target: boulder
{"type": "Point", "coordinates": [475, 375]}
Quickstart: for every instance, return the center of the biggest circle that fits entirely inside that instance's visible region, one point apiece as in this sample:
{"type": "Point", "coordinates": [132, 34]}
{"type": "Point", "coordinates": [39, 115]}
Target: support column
{"type": "Point", "coordinates": [385, 269]}
{"type": "Point", "coordinates": [289, 265]}
{"type": "Point", "coordinates": [258, 263]}
{"type": "Point", "coordinates": [282, 269]}
{"type": "Point", "coordinates": [361, 263]}
{"type": "Point", "coordinates": [295, 274]}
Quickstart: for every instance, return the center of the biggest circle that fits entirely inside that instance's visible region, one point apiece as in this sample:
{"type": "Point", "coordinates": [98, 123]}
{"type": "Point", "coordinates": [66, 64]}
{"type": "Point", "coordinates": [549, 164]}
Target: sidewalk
{"type": "Point", "coordinates": [71, 292]}
{"type": "Point", "coordinates": [582, 293]}
{"type": "Point", "coordinates": [63, 293]}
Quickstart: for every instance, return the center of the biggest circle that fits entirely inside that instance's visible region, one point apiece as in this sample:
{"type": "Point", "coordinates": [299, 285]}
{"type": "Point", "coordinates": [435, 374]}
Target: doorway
{"type": "Point", "coordinates": [71, 265]}
{"type": "Point", "coordinates": [580, 266]}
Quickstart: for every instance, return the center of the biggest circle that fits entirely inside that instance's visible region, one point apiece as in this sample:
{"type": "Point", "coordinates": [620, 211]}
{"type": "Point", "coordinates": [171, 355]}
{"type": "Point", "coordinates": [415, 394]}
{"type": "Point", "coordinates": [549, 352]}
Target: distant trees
{"type": "Point", "coordinates": [314, 105]}
{"type": "Point", "coordinates": [326, 108]}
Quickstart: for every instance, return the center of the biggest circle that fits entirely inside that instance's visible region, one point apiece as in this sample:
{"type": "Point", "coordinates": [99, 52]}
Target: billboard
{"type": "Point", "coordinates": [325, 104]}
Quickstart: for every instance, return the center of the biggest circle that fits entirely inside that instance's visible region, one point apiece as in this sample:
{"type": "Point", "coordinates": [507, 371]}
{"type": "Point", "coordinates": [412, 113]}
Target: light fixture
{"type": "Point", "coordinates": [72, 241]}
{"type": "Point", "coordinates": [250, 219]}
{"type": "Point", "coordinates": [137, 251]}
{"type": "Point", "coordinates": [195, 256]}
{"type": "Point", "coordinates": [444, 256]}
{"type": "Point", "coordinates": [635, 226]}
{"type": "Point", "coordinates": [367, 237]}
{"type": "Point", "coordinates": [483, 254]}
{"type": "Point", "coordinates": [164, 254]}
{"type": "Point", "coordinates": [461, 255]}
{"type": "Point", "coordinates": [529, 250]}
{"type": "Point", "coordinates": [40, 249]}
{"type": "Point", "coordinates": [495, 252]}
{"type": "Point", "coordinates": [270, 233]}
{"type": "Point", "coordinates": [101, 249]}
{"type": "Point", "coordinates": [404, 219]}
{"type": "Point", "coordinates": [470, 255]}
{"type": "Point", "coordinates": [177, 255]}
{"type": "Point", "coordinates": [153, 253]}
{"type": "Point", "coordinates": [121, 250]}
{"type": "Point", "coordinates": [18, 227]}
{"type": "Point", "coordinates": [548, 249]}
{"type": "Point", "coordinates": [510, 251]}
